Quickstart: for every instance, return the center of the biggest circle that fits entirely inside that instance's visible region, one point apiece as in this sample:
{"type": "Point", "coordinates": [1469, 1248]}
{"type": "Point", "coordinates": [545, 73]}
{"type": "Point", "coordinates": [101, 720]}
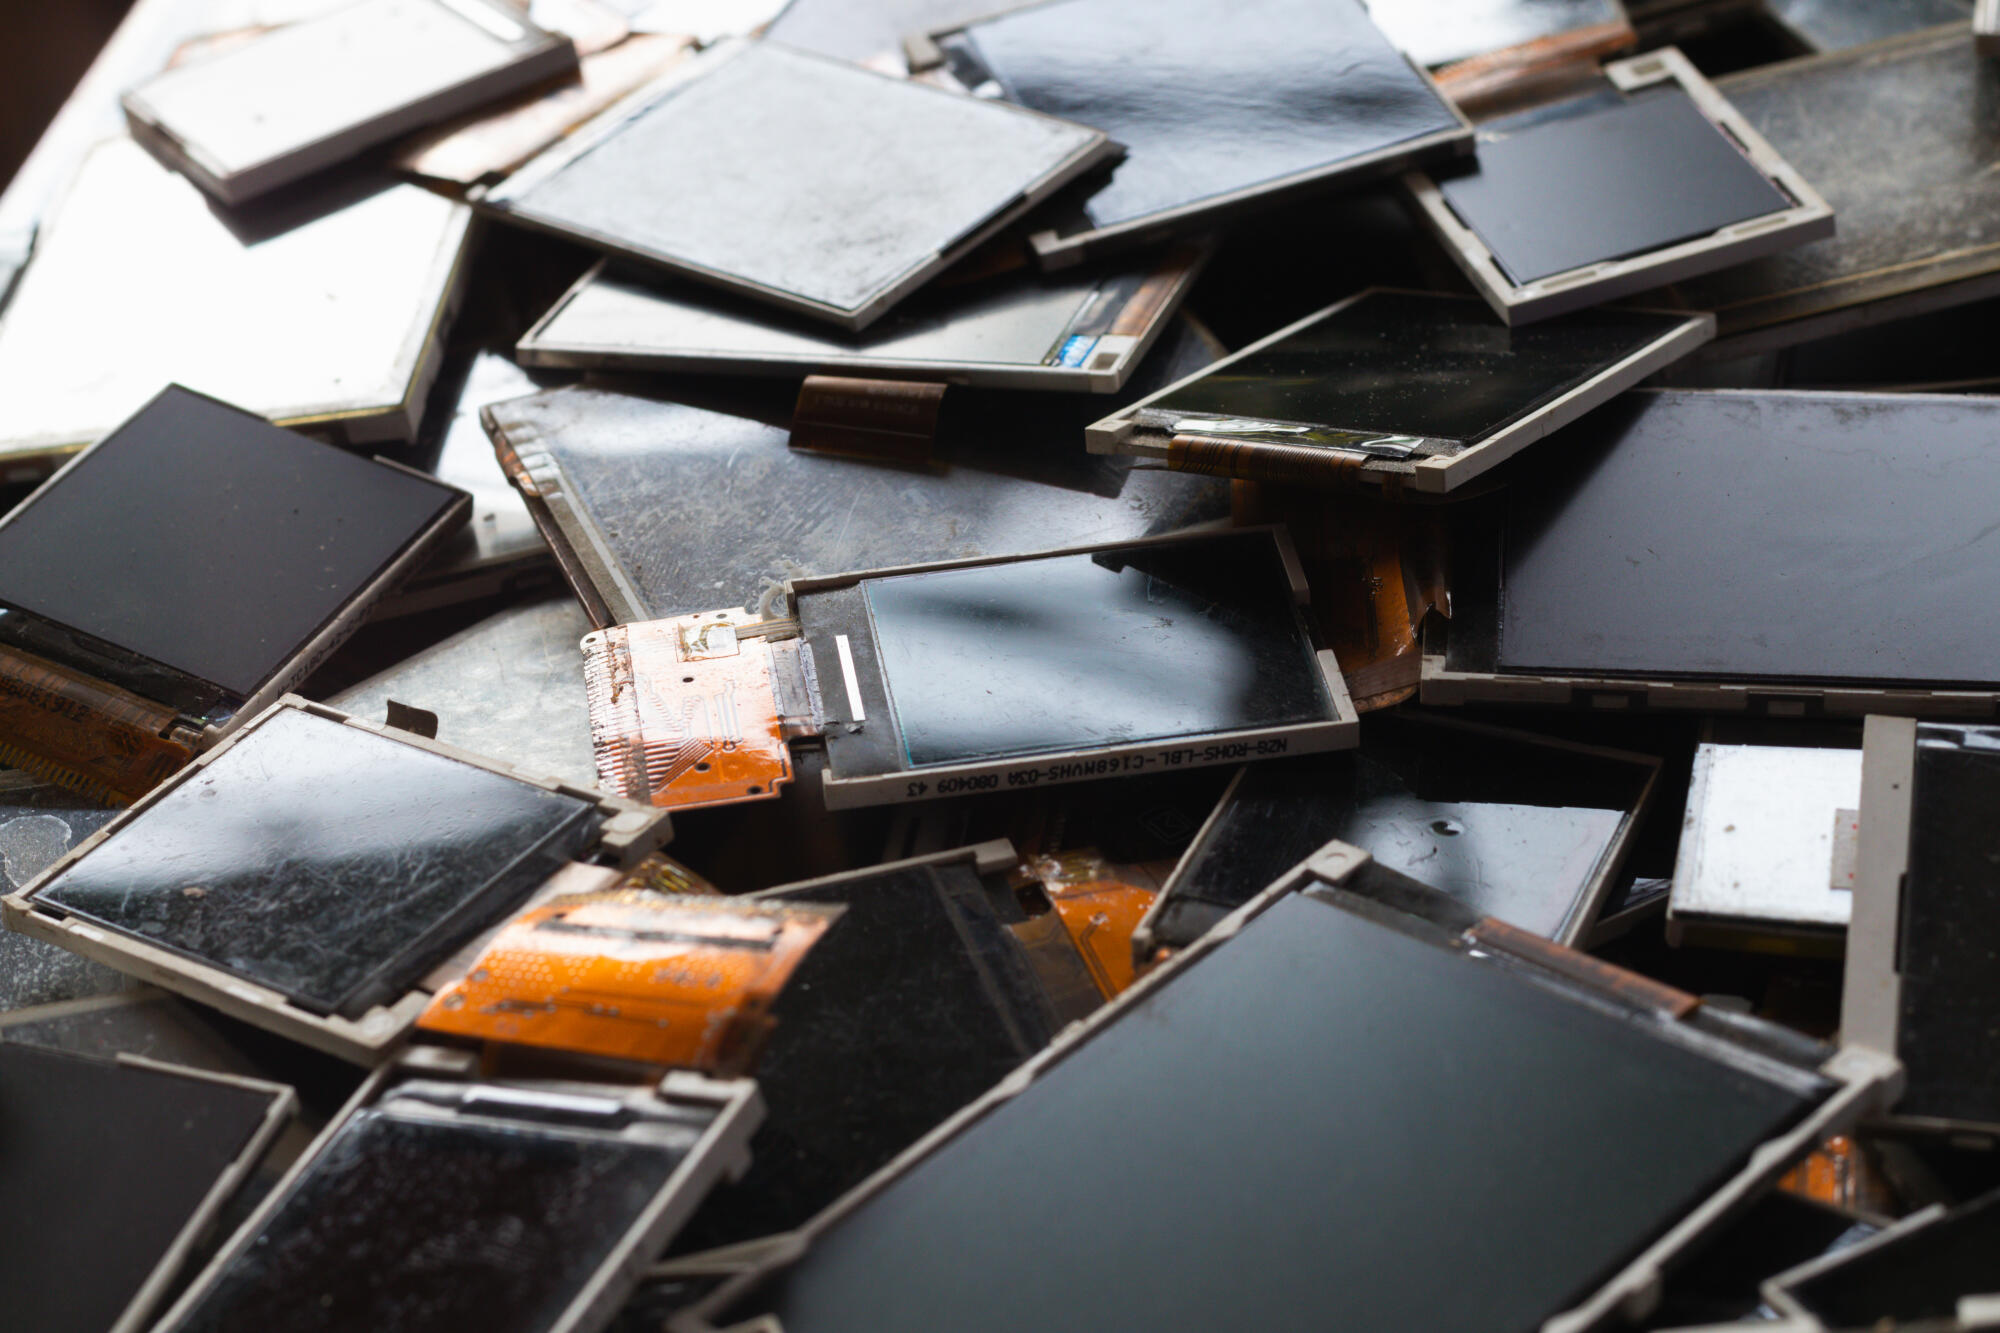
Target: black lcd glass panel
{"type": "Point", "coordinates": [915, 1002]}
{"type": "Point", "coordinates": [1418, 1138]}
{"type": "Point", "coordinates": [698, 509]}
{"type": "Point", "coordinates": [1918, 1275]}
{"type": "Point", "coordinates": [209, 540]}
{"type": "Point", "coordinates": [1511, 829]}
{"type": "Point", "coordinates": [1792, 535]}
{"type": "Point", "coordinates": [329, 863]}
{"type": "Point", "coordinates": [1437, 366]}
{"type": "Point", "coordinates": [410, 1225]}
{"type": "Point", "coordinates": [1948, 1020]}
{"type": "Point", "coordinates": [1608, 177]}
{"type": "Point", "coordinates": [1079, 651]}
{"type": "Point", "coordinates": [102, 1166]}
{"type": "Point", "coordinates": [1210, 99]}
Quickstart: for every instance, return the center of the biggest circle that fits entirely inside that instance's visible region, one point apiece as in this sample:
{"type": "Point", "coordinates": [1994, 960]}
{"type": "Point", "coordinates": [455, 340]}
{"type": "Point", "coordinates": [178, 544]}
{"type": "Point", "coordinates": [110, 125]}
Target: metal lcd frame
{"type": "Point", "coordinates": [539, 56]}
{"type": "Point", "coordinates": [284, 1106]}
{"type": "Point", "coordinates": [1120, 434]}
{"type": "Point", "coordinates": [1056, 251]}
{"type": "Point", "coordinates": [1862, 1075]}
{"type": "Point", "coordinates": [1809, 219]}
{"type": "Point", "coordinates": [1986, 27]}
{"type": "Point", "coordinates": [1044, 769]}
{"type": "Point", "coordinates": [630, 831]}
{"type": "Point", "coordinates": [1872, 985]}
{"type": "Point", "coordinates": [500, 199]}
{"type": "Point", "coordinates": [1176, 276]}
{"type": "Point", "coordinates": [1583, 916]}
{"type": "Point", "coordinates": [590, 569]}
{"type": "Point", "coordinates": [1445, 687]}
{"type": "Point", "coordinates": [723, 1150]}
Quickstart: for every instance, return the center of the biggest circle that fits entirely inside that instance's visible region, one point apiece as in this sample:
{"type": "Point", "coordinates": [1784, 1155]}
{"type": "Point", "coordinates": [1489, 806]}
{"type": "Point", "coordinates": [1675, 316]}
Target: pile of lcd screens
{"type": "Point", "coordinates": [1122, 664]}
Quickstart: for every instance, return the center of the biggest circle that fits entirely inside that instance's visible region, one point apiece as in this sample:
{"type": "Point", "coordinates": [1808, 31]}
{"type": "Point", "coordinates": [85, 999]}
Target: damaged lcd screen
{"type": "Point", "coordinates": [1416, 364]}
{"type": "Point", "coordinates": [407, 1222]}
{"type": "Point", "coordinates": [269, 110]}
{"type": "Point", "coordinates": [1945, 925]}
{"type": "Point", "coordinates": [201, 538]}
{"type": "Point", "coordinates": [1914, 208]}
{"type": "Point", "coordinates": [1657, 171]}
{"type": "Point", "coordinates": [329, 863]}
{"type": "Point", "coordinates": [1409, 382]}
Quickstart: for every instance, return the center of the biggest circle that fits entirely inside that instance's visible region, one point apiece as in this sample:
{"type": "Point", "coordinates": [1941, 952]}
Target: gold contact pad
{"type": "Point", "coordinates": [684, 711]}
{"type": "Point", "coordinates": [683, 982]}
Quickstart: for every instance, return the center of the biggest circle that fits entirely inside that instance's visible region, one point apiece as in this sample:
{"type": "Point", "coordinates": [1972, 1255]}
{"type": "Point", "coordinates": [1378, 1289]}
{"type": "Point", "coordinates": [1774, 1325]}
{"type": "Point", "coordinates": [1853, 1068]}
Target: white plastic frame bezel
{"type": "Point", "coordinates": [1810, 218]}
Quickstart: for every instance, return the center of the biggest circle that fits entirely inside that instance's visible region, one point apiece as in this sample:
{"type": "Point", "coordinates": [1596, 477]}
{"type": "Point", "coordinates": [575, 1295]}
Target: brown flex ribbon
{"type": "Point", "coordinates": [895, 420]}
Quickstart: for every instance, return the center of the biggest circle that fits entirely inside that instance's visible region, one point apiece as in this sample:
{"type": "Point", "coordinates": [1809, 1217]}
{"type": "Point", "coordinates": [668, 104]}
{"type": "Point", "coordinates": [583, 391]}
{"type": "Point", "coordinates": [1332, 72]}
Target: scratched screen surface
{"type": "Point", "coordinates": [329, 863]}
{"type": "Point", "coordinates": [1510, 827]}
{"type": "Point", "coordinates": [408, 1224]}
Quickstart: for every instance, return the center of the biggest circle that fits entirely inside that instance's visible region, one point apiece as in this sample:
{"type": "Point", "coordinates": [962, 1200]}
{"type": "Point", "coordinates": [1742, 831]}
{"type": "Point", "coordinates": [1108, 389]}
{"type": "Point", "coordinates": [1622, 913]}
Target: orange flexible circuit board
{"type": "Point", "coordinates": [1100, 906]}
{"type": "Point", "coordinates": [687, 712]}
{"type": "Point", "coordinates": [684, 982]}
